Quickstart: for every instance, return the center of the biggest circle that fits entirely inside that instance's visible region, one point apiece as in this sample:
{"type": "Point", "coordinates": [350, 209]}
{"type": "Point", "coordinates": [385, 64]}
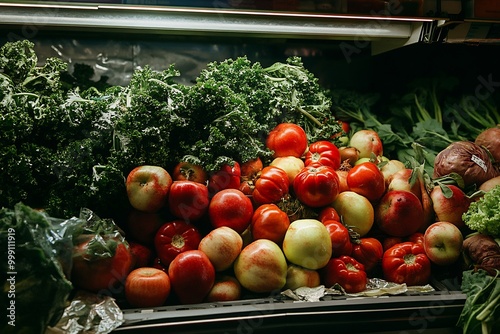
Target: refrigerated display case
{"type": "Point", "coordinates": [363, 49]}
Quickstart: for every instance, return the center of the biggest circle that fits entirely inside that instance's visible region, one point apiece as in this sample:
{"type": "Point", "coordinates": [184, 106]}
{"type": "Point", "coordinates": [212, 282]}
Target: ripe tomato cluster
{"type": "Point", "coordinates": [315, 214]}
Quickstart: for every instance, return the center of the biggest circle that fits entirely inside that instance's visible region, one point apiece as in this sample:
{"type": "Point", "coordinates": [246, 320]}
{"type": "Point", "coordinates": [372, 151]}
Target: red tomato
{"type": "Point", "coordinates": [231, 208]}
{"type": "Point", "coordinates": [269, 222]}
{"type": "Point", "coordinates": [192, 276]}
{"type": "Point", "coordinates": [188, 200]}
{"type": "Point", "coordinates": [406, 263]}
{"type": "Point", "coordinates": [271, 186]}
{"type": "Point", "coordinates": [341, 240]}
{"type": "Point", "coordinates": [323, 153]}
{"type": "Point", "coordinates": [228, 177]}
{"type": "Point", "coordinates": [250, 169]}
{"type": "Point", "coordinates": [366, 179]}
{"type": "Point", "coordinates": [328, 213]}
{"type": "Point", "coordinates": [316, 186]}
{"type": "Point", "coordinates": [191, 172]}
{"type": "Point", "coordinates": [368, 251]}
{"type": "Point", "coordinates": [147, 287]}
{"type": "Point", "coordinates": [287, 139]}
{"type": "Point", "coordinates": [175, 237]}
{"type": "Point", "coordinates": [93, 272]}
{"type": "Point", "coordinates": [347, 272]}
{"type": "Point", "coordinates": [390, 241]}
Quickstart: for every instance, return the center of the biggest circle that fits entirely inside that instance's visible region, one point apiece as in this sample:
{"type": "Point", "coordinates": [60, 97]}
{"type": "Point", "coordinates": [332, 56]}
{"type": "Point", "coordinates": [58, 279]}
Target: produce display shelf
{"type": "Point", "coordinates": [409, 311]}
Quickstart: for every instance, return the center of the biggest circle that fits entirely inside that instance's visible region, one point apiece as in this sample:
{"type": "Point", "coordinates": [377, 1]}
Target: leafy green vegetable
{"type": "Point", "coordinates": [484, 215]}
{"type": "Point", "coordinates": [481, 312]}
{"type": "Point", "coordinates": [35, 247]}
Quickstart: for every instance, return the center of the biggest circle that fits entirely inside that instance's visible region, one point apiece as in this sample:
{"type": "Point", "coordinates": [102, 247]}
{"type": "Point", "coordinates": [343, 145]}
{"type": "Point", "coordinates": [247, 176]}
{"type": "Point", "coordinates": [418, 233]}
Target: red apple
{"type": "Point", "coordinates": [401, 181]}
{"type": "Point", "coordinates": [188, 200]}
{"type": "Point", "coordinates": [226, 288]}
{"type": "Point", "coordinates": [367, 142]}
{"type": "Point", "coordinates": [356, 211]}
{"type": "Point", "coordinates": [186, 171]}
{"type": "Point", "coordinates": [192, 276]}
{"type": "Point", "coordinates": [148, 188]}
{"type": "Point", "coordinates": [298, 277]}
{"type": "Point", "coordinates": [449, 204]}
{"type": "Point", "coordinates": [290, 164]}
{"type": "Point", "coordinates": [232, 208]}
{"type": "Point", "coordinates": [399, 213]}
{"type": "Point", "coordinates": [222, 245]}
{"type": "Point", "coordinates": [307, 243]}
{"type": "Point", "coordinates": [147, 287]}
{"type": "Point", "coordinates": [141, 254]}
{"type": "Point", "coordinates": [142, 226]}
{"type": "Point", "coordinates": [228, 177]}
{"type": "Point", "coordinates": [443, 243]}
{"type": "Point", "coordinates": [261, 267]}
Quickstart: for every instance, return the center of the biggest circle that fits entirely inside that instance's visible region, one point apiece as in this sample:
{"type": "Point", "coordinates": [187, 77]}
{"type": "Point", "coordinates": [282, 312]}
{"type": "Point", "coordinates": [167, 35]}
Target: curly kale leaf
{"type": "Point", "coordinates": [484, 215]}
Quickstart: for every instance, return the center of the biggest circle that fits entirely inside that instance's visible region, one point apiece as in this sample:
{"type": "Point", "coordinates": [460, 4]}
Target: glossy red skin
{"type": "Point", "coordinates": [347, 272]}
{"type": "Point", "coordinates": [228, 177]}
{"type": "Point", "coordinates": [188, 200]}
{"type": "Point", "coordinates": [417, 238]}
{"type": "Point", "coordinates": [406, 263]}
{"type": "Point", "coordinates": [186, 171]}
{"type": "Point", "coordinates": [323, 153]}
{"type": "Point", "coordinates": [231, 208]}
{"type": "Point", "coordinates": [341, 240]}
{"type": "Point", "coordinates": [147, 287]}
{"type": "Point", "coordinates": [142, 255]}
{"type": "Point", "coordinates": [287, 139]}
{"type": "Point", "coordinates": [269, 222]}
{"type": "Point", "coordinates": [399, 213]}
{"type": "Point", "coordinates": [328, 213]}
{"type": "Point", "coordinates": [366, 179]}
{"type": "Point", "coordinates": [316, 186]}
{"type": "Point", "coordinates": [271, 186]}
{"type": "Point", "coordinates": [192, 276]}
{"type": "Point", "coordinates": [368, 251]}
{"type": "Point", "coordinates": [101, 274]}
{"type": "Point", "coordinates": [174, 238]}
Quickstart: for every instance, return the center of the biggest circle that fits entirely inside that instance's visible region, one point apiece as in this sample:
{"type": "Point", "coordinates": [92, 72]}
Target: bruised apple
{"type": "Point", "coordinates": [443, 243]}
{"type": "Point", "coordinates": [148, 188]}
{"type": "Point", "coordinates": [399, 213]}
{"type": "Point", "coordinates": [355, 210]}
{"type": "Point", "coordinates": [261, 267]}
{"type": "Point", "coordinates": [307, 243]}
{"type": "Point", "coordinates": [192, 276]}
{"type": "Point", "coordinates": [222, 245]}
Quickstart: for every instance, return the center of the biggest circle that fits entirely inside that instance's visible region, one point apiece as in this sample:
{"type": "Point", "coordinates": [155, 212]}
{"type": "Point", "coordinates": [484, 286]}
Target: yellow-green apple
{"type": "Point", "coordinates": [402, 180]}
{"type": "Point", "coordinates": [148, 187]}
{"type": "Point", "coordinates": [261, 267]}
{"type": "Point", "coordinates": [290, 164]}
{"type": "Point", "coordinates": [192, 276]}
{"type": "Point", "coordinates": [307, 243]}
{"type": "Point", "coordinates": [389, 168]}
{"type": "Point", "coordinates": [443, 243]}
{"type": "Point", "coordinates": [226, 288]}
{"type": "Point", "coordinates": [298, 276]}
{"type": "Point", "coordinates": [490, 184]}
{"type": "Point", "coordinates": [367, 142]}
{"type": "Point", "coordinates": [449, 203]}
{"type": "Point", "coordinates": [356, 211]}
{"type": "Point", "coordinates": [222, 245]}
{"type": "Point", "coordinates": [399, 213]}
